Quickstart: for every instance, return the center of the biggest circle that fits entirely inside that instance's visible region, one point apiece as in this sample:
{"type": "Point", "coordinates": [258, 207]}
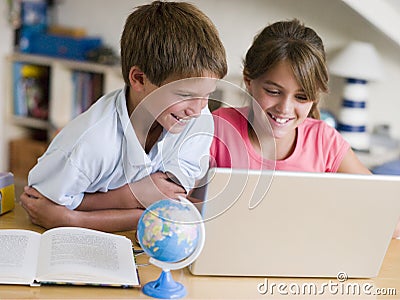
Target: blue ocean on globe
{"type": "Point", "coordinates": [166, 231]}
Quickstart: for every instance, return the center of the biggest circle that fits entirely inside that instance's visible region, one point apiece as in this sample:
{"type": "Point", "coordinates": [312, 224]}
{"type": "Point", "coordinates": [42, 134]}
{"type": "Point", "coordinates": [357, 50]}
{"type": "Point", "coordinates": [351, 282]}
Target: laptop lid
{"type": "Point", "coordinates": [294, 224]}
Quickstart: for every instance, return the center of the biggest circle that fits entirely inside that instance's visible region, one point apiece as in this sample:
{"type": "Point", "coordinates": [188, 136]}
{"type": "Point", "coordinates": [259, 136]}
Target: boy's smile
{"type": "Point", "coordinates": [179, 114]}
{"type": "Point", "coordinates": [175, 103]}
{"type": "Point", "coordinates": [179, 119]}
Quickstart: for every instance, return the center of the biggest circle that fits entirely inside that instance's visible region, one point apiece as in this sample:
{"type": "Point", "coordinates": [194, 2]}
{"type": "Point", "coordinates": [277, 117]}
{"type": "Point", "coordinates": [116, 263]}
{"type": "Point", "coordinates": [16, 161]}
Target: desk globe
{"type": "Point", "coordinates": [172, 233]}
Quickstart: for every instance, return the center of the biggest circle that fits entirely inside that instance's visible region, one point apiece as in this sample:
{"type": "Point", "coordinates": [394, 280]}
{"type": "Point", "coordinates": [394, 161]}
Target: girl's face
{"type": "Point", "coordinates": [283, 103]}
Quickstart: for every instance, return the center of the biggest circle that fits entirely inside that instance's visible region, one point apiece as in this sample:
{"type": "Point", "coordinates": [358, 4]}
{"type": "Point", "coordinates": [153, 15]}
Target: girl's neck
{"type": "Point", "coordinates": [266, 145]}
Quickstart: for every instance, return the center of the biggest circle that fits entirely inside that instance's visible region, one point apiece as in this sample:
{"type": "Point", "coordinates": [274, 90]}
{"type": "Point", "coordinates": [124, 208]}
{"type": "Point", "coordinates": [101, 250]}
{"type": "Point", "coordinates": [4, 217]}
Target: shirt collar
{"type": "Point", "coordinates": [134, 151]}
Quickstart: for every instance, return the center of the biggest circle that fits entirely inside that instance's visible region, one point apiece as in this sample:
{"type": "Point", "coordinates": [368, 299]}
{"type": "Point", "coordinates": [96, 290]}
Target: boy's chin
{"type": "Point", "coordinates": [175, 130]}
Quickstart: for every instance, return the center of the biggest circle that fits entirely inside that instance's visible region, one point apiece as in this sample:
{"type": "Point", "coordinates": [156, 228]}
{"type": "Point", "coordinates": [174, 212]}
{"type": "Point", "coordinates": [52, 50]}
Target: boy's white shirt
{"type": "Point", "coordinates": [99, 151]}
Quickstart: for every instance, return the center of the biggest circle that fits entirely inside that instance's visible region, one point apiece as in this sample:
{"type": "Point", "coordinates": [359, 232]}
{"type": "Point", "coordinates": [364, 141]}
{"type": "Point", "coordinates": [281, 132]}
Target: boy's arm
{"type": "Point", "coordinates": [139, 194]}
{"type": "Point", "coordinates": [57, 177]}
{"type": "Point", "coordinates": [119, 198]}
{"type": "Point", "coordinates": [46, 213]}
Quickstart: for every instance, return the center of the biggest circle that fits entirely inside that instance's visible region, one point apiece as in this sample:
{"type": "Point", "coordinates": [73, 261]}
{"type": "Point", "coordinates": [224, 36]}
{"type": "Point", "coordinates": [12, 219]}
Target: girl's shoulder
{"type": "Point", "coordinates": [318, 130]}
{"type": "Point", "coordinates": [314, 125]}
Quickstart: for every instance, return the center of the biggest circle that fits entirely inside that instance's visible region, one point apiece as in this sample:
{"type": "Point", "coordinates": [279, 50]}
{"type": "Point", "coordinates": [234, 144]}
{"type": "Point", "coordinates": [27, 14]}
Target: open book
{"type": "Point", "coordinates": [66, 255]}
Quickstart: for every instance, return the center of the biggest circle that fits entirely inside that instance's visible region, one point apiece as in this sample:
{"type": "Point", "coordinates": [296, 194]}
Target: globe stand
{"type": "Point", "coordinates": [165, 287]}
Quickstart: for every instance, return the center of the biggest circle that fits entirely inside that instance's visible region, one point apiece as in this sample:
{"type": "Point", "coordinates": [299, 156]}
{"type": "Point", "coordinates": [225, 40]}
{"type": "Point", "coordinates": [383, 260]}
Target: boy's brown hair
{"type": "Point", "coordinates": [171, 38]}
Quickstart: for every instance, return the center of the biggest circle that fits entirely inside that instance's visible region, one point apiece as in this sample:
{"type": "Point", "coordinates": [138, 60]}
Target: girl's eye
{"type": "Point", "coordinates": [302, 98]}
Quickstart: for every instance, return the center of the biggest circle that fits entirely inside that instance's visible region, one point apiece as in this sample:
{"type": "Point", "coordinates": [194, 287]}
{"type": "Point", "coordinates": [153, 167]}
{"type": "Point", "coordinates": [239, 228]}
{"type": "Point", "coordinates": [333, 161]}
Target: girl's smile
{"type": "Point", "coordinates": [281, 100]}
{"type": "Point", "coordinates": [281, 120]}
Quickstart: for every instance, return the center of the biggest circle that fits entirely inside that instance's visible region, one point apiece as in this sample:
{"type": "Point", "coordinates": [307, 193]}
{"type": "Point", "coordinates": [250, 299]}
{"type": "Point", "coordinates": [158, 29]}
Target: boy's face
{"type": "Point", "coordinates": [176, 102]}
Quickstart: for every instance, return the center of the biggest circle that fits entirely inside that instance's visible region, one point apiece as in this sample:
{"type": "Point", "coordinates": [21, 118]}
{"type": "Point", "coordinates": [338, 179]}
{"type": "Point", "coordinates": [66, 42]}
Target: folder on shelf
{"type": "Point", "coordinates": [7, 192]}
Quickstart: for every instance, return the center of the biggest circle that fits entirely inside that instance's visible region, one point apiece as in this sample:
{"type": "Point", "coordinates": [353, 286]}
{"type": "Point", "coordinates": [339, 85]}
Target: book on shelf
{"type": "Point", "coordinates": [88, 88]}
{"type": "Point", "coordinates": [31, 90]}
{"type": "Point", "coordinates": [66, 255]}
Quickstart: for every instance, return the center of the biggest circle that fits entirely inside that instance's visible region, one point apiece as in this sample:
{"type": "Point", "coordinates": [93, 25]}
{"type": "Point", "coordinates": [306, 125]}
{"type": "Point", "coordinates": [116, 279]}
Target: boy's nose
{"type": "Point", "coordinates": [195, 106]}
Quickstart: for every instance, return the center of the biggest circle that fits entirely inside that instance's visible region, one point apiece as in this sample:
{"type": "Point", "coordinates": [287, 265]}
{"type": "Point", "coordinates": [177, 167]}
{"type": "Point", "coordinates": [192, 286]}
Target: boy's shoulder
{"type": "Point", "coordinates": [91, 126]}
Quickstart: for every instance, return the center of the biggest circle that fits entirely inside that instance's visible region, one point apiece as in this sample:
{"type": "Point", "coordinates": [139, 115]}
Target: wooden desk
{"type": "Point", "coordinates": [197, 286]}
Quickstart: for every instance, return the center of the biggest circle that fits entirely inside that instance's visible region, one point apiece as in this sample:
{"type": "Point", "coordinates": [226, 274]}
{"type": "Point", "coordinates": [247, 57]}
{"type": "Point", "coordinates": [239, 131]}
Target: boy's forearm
{"type": "Point", "coordinates": [121, 198]}
{"type": "Point", "coordinates": [109, 220]}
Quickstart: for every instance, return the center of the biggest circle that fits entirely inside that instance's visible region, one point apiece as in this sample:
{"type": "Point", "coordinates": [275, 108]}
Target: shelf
{"type": "Point", "coordinates": [33, 123]}
{"type": "Point", "coordinates": [64, 87]}
{"type": "Point", "coordinates": [70, 87]}
{"type": "Point", "coordinates": [71, 64]}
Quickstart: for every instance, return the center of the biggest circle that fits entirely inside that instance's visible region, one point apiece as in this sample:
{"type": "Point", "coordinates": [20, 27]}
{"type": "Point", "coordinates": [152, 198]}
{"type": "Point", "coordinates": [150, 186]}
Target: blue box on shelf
{"type": "Point", "coordinates": [59, 46]}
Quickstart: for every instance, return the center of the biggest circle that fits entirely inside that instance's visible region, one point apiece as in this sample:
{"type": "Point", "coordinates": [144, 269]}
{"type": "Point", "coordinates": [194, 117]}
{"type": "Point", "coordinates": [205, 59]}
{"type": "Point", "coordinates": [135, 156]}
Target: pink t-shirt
{"type": "Point", "coordinates": [319, 147]}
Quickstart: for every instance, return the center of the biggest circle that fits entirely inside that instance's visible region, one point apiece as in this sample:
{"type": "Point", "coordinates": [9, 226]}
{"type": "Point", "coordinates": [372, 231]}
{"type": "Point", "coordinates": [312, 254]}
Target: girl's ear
{"type": "Point", "coordinates": [136, 79]}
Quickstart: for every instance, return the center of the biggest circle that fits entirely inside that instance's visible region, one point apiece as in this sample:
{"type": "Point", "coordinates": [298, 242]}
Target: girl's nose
{"type": "Point", "coordinates": [285, 106]}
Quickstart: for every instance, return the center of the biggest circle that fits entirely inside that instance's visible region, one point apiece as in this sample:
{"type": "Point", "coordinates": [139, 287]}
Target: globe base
{"type": "Point", "coordinates": [165, 287]}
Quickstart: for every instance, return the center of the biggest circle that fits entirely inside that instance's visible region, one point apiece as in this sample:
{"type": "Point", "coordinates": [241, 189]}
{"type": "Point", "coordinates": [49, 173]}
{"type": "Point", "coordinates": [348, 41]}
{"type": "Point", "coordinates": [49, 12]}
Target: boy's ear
{"type": "Point", "coordinates": [136, 79]}
{"type": "Point", "coordinates": [247, 81]}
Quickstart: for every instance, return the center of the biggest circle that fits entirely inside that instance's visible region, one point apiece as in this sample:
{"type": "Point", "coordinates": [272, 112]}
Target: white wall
{"type": "Point", "coordinates": [239, 20]}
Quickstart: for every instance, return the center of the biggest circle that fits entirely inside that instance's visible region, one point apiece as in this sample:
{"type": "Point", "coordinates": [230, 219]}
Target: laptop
{"type": "Point", "coordinates": [295, 224]}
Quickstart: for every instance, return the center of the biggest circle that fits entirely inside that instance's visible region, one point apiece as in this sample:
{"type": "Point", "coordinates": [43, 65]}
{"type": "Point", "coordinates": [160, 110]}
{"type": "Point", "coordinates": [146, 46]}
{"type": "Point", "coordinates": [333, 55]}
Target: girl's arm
{"type": "Point", "coordinates": [352, 165]}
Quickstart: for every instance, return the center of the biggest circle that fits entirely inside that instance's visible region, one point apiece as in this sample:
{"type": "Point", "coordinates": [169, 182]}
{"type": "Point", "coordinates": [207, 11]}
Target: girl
{"type": "Point", "coordinates": [285, 72]}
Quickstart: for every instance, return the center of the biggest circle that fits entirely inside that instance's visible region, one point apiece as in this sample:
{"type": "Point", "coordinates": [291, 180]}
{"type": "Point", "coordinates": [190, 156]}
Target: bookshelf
{"type": "Point", "coordinates": [43, 95]}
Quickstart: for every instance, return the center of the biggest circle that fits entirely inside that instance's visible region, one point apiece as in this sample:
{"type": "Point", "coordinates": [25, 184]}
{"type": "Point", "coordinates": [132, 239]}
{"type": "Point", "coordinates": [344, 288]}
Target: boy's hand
{"type": "Point", "coordinates": [155, 187]}
{"type": "Point", "coordinates": [42, 211]}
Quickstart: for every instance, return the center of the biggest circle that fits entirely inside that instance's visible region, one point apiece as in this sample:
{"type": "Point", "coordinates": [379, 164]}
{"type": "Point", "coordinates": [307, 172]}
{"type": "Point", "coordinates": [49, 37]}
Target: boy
{"type": "Point", "coordinates": [103, 168]}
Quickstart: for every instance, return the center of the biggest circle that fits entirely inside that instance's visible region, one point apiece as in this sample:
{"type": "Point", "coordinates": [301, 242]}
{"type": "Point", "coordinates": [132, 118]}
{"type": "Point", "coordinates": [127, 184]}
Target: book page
{"type": "Point", "coordinates": [19, 251]}
{"type": "Point", "coordinates": [85, 256]}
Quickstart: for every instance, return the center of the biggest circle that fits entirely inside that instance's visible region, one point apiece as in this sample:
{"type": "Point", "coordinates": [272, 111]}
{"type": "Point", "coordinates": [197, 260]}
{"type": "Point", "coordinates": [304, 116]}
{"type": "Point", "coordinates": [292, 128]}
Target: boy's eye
{"type": "Point", "coordinates": [185, 96]}
{"type": "Point", "coordinates": [272, 92]}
